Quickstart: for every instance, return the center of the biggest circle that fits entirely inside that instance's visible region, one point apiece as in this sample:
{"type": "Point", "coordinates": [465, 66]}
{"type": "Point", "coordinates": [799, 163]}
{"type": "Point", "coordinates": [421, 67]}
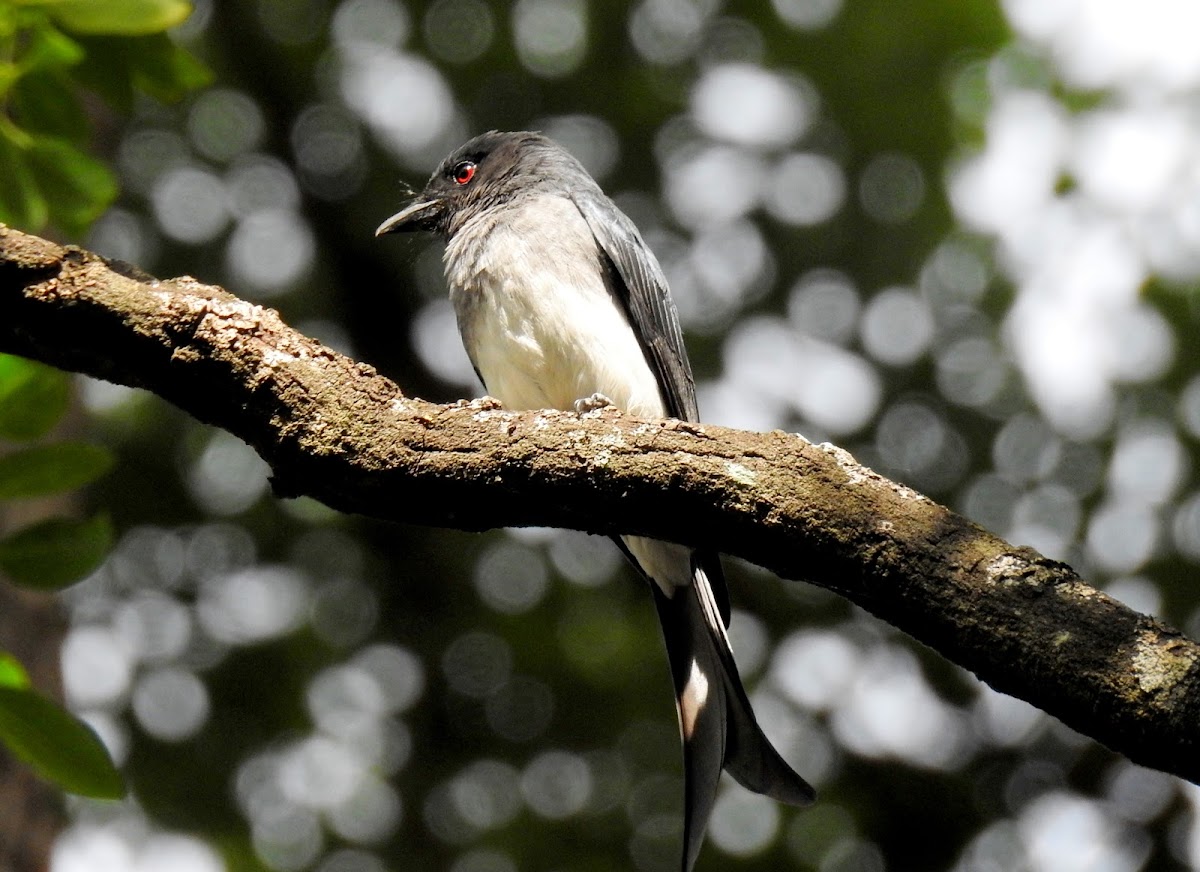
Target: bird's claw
{"type": "Point", "coordinates": [594, 403]}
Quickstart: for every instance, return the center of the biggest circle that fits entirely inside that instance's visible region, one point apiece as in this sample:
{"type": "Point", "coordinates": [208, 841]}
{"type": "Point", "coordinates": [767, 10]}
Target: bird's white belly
{"type": "Point", "coordinates": [544, 331]}
{"type": "Point", "coordinates": [537, 351]}
{"type": "Point", "coordinates": [540, 324]}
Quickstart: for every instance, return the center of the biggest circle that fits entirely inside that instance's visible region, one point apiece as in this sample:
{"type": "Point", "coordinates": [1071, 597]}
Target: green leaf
{"type": "Point", "coordinates": [115, 67]}
{"type": "Point", "coordinates": [48, 47]}
{"type": "Point", "coordinates": [51, 469]}
{"type": "Point", "coordinates": [12, 673]}
{"type": "Point", "coordinates": [21, 203]}
{"type": "Point", "coordinates": [55, 553]}
{"type": "Point", "coordinates": [59, 746]}
{"type": "Point", "coordinates": [77, 187]}
{"type": "Point", "coordinates": [9, 73]}
{"type": "Point", "coordinates": [33, 397]}
{"type": "Point", "coordinates": [165, 71]}
{"type": "Point", "coordinates": [46, 102]}
{"type": "Point", "coordinates": [119, 17]}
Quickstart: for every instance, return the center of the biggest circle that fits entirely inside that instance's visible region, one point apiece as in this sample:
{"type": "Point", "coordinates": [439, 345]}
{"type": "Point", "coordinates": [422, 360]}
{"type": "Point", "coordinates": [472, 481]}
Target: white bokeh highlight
{"type": "Point", "coordinates": [1088, 205]}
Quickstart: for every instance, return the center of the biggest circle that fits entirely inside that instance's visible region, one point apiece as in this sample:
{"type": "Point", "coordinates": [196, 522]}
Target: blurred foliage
{"type": "Point", "coordinates": [50, 469]}
{"type": "Point", "coordinates": [57, 745]}
{"type": "Point", "coordinates": [54, 553]}
{"type": "Point", "coordinates": [48, 555]}
{"type": "Point", "coordinates": [51, 51]}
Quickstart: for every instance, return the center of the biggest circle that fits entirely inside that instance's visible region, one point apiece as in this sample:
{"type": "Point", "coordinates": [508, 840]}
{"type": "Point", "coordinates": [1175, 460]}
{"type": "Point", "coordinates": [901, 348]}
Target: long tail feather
{"type": "Point", "coordinates": [715, 719]}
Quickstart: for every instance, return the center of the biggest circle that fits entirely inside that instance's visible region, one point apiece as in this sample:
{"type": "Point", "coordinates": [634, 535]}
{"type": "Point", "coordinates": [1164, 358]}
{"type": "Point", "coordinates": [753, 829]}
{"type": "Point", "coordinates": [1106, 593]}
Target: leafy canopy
{"type": "Point", "coordinates": [51, 53]}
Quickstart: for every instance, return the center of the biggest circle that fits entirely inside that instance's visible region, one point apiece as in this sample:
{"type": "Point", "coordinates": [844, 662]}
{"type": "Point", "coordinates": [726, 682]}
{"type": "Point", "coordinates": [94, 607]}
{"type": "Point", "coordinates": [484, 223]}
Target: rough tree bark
{"type": "Point", "coordinates": [336, 430]}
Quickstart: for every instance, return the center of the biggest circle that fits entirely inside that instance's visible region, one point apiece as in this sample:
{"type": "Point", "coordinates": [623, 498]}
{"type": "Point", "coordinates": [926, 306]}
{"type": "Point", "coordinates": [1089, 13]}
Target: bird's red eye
{"type": "Point", "coordinates": [464, 172]}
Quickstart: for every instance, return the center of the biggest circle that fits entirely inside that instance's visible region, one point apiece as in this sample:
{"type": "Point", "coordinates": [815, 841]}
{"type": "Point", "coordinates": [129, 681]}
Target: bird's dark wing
{"type": "Point", "coordinates": [638, 283]}
{"type": "Point", "coordinates": [717, 724]}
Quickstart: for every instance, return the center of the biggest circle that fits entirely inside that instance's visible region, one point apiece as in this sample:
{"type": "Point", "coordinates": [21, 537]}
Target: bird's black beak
{"type": "Point", "coordinates": [418, 215]}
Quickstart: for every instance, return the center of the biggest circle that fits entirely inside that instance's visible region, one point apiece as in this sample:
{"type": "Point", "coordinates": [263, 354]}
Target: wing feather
{"type": "Point", "coordinates": [637, 281]}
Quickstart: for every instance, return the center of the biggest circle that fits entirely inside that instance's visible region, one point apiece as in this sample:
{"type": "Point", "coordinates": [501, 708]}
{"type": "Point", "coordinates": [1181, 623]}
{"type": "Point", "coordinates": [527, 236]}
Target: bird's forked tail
{"type": "Point", "coordinates": [715, 719]}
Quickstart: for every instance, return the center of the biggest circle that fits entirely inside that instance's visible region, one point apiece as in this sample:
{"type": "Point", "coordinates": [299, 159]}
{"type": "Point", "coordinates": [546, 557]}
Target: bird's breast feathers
{"type": "Point", "coordinates": [535, 315]}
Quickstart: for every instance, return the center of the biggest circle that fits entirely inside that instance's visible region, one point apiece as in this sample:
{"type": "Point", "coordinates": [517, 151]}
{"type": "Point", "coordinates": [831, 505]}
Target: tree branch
{"type": "Point", "coordinates": [336, 430]}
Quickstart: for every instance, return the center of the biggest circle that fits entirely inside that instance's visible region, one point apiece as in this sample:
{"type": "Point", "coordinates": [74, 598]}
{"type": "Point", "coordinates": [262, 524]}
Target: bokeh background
{"type": "Point", "coordinates": [960, 239]}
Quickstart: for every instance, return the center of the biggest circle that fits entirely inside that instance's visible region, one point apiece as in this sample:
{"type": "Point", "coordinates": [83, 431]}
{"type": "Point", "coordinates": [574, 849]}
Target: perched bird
{"type": "Point", "coordinates": [561, 305]}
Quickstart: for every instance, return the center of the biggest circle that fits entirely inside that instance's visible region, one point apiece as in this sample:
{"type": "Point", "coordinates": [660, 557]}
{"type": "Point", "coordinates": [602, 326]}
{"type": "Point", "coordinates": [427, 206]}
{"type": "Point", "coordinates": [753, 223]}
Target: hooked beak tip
{"type": "Point", "coordinates": [421, 215]}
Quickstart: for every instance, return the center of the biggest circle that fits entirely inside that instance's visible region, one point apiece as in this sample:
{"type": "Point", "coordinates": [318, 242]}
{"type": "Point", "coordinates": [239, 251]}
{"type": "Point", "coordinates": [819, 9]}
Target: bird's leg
{"type": "Point", "coordinates": [594, 403]}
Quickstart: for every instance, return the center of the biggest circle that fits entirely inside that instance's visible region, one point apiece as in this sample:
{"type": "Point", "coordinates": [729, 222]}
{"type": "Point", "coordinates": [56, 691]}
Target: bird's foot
{"type": "Point", "coordinates": [594, 403]}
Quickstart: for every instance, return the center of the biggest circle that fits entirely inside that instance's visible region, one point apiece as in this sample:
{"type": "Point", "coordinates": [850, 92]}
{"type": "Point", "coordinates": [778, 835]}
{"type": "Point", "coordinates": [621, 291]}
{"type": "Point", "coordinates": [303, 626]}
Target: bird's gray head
{"type": "Point", "coordinates": [490, 170]}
